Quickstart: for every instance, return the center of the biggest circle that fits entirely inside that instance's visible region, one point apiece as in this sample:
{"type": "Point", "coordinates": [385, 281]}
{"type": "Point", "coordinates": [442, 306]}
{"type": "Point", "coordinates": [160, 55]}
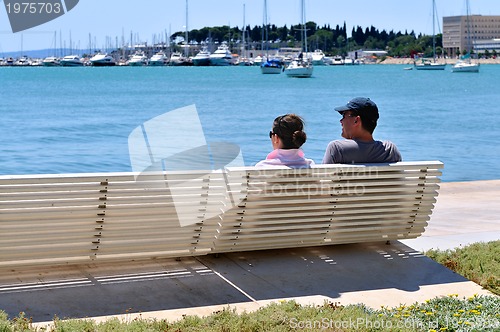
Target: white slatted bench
{"type": "Point", "coordinates": [75, 218]}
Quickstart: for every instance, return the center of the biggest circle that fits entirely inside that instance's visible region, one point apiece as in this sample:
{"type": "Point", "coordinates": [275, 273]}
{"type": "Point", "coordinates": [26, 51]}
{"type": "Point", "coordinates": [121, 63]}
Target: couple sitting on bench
{"type": "Point", "coordinates": [359, 119]}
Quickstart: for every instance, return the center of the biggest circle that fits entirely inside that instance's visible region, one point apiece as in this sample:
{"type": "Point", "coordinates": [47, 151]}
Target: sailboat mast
{"type": "Point", "coordinates": [433, 30]}
{"type": "Point", "coordinates": [304, 32]}
{"type": "Point", "coordinates": [187, 40]}
{"type": "Point", "coordinates": [468, 17]}
{"type": "Point", "coordinates": [243, 45]}
{"type": "Point", "coordinates": [264, 30]}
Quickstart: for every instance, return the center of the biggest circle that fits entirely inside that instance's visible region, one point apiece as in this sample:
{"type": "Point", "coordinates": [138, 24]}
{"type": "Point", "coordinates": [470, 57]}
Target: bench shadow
{"type": "Point", "coordinates": [330, 270]}
{"type": "Point", "coordinates": [103, 289]}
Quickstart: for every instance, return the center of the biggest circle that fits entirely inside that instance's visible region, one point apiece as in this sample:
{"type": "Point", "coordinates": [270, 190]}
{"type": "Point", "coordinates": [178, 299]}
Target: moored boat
{"type": "Point", "coordinates": [318, 57]}
{"type": "Point", "coordinates": [158, 59]}
{"type": "Point", "coordinates": [51, 61]}
{"type": "Point", "coordinates": [102, 60]}
{"type": "Point", "coordinates": [222, 56]}
{"type": "Point", "coordinates": [177, 59]}
{"type": "Point", "coordinates": [271, 66]}
{"type": "Point", "coordinates": [427, 64]}
{"type": "Point", "coordinates": [465, 64]}
{"type": "Point", "coordinates": [202, 58]}
{"type": "Point", "coordinates": [301, 66]}
{"type": "Point", "coordinates": [71, 61]}
{"type": "Point", "coordinates": [138, 59]}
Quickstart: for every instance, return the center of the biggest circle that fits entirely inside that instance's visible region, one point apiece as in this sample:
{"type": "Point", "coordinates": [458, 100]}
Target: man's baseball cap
{"type": "Point", "coordinates": [364, 107]}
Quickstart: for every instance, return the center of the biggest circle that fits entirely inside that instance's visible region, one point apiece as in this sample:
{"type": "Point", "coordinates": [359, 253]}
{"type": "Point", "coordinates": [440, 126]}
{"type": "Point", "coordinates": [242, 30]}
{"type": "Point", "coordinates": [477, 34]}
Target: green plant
{"type": "Point", "coordinates": [479, 262]}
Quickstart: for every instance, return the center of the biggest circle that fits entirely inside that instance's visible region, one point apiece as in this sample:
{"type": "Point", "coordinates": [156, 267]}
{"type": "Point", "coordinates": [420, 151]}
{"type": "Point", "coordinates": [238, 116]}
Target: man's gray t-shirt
{"type": "Point", "coordinates": [351, 151]}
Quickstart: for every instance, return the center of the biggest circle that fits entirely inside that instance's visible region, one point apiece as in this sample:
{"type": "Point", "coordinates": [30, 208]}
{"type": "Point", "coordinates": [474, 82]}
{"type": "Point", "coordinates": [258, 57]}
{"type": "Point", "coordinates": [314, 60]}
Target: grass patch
{"type": "Point", "coordinates": [479, 262]}
{"type": "Point", "coordinates": [477, 313]}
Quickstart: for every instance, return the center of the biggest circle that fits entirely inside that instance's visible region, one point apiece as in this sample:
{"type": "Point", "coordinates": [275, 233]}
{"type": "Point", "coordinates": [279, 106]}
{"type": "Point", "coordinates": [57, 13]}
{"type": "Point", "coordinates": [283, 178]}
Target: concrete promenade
{"type": "Point", "coordinates": [376, 274]}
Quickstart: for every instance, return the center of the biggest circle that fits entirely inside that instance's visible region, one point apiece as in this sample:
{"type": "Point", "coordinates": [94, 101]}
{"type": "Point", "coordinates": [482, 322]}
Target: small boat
{"type": "Point", "coordinates": [271, 66]}
{"type": "Point", "coordinates": [427, 64]}
{"type": "Point", "coordinates": [202, 58]}
{"type": "Point", "coordinates": [23, 61]}
{"type": "Point", "coordinates": [242, 61]}
{"type": "Point", "coordinates": [9, 61]}
{"type": "Point", "coordinates": [158, 59]}
{"type": "Point", "coordinates": [138, 59]}
{"type": "Point", "coordinates": [36, 62]}
{"type": "Point", "coordinates": [337, 61]}
{"type": "Point", "coordinates": [301, 67]}
{"type": "Point", "coordinates": [102, 60]}
{"type": "Point", "coordinates": [465, 64]}
{"type": "Point", "coordinates": [71, 61]}
{"type": "Point", "coordinates": [51, 61]}
{"type": "Point", "coordinates": [177, 59]}
{"type": "Point", "coordinates": [318, 57]}
{"type": "Point", "coordinates": [408, 68]}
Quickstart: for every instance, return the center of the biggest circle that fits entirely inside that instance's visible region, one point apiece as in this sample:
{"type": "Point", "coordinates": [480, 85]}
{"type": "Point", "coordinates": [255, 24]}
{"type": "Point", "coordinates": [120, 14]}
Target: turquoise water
{"type": "Point", "coordinates": [66, 120]}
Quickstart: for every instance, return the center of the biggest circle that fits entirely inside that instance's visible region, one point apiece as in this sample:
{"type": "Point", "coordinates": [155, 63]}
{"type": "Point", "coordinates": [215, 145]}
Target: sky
{"type": "Point", "coordinates": [106, 22]}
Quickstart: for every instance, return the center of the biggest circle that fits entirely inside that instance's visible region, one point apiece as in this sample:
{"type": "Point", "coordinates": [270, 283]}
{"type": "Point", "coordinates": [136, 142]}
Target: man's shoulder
{"type": "Point", "coordinates": [387, 143]}
{"type": "Point", "coordinates": [343, 143]}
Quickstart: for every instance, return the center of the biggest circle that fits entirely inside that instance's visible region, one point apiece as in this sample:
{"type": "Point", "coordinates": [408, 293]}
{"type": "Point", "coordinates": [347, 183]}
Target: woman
{"type": "Point", "coordinates": [287, 136]}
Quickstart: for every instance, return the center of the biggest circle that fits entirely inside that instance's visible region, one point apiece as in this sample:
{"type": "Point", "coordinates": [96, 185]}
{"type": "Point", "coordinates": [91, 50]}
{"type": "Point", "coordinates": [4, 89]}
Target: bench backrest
{"type": "Point", "coordinates": [74, 218]}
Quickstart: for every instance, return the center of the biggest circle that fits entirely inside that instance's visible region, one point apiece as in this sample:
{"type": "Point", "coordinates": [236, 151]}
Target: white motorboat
{"type": "Point", "coordinates": [318, 57]}
{"type": "Point", "coordinates": [177, 59]}
{"type": "Point", "coordinates": [23, 61]}
{"type": "Point", "coordinates": [71, 61]}
{"type": "Point", "coordinates": [222, 56]}
{"type": "Point", "coordinates": [9, 61]}
{"type": "Point", "coordinates": [51, 61]}
{"type": "Point", "coordinates": [35, 62]}
{"type": "Point", "coordinates": [258, 60]}
{"type": "Point", "coordinates": [138, 59]}
{"type": "Point", "coordinates": [349, 62]}
{"type": "Point", "coordinates": [337, 61]}
{"type": "Point", "coordinates": [102, 60]}
{"type": "Point", "coordinates": [158, 59]}
{"type": "Point", "coordinates": [202, 58]}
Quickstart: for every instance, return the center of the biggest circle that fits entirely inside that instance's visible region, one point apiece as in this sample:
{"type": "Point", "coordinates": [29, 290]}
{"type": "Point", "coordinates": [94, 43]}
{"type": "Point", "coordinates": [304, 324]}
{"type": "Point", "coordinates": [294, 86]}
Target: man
{"type": "Point", "coordinates": [359, 119]}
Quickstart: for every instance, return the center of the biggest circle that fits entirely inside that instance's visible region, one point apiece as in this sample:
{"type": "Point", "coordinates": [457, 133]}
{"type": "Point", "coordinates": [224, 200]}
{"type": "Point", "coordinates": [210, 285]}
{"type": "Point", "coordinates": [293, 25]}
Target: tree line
{"type": "Point", "coordinates": [333, 41]}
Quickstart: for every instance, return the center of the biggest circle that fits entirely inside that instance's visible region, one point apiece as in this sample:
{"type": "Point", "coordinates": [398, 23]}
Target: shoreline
{"type": "Point", "coordinates": [410, 61]}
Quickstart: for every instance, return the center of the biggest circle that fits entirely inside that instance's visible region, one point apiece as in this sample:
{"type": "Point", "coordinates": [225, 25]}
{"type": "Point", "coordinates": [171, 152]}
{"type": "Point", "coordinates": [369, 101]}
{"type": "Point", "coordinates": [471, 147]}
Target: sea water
{"type": "Point", "coordinates": [72, 120]}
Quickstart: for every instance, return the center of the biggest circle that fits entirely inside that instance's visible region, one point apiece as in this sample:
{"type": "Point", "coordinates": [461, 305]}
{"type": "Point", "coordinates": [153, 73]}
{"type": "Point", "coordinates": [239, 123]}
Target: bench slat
{"type": "Point", "coordinates": [69, 218]}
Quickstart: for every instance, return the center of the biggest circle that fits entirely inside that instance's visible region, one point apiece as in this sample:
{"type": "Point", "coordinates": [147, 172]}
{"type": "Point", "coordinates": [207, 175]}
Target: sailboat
{"type": "Point", "coordinates": [301, 67]}
{"type": "Point", "coordinates": [465, 64]}
{"type": "Point", "coordinates": [243, 59]}
{"type": "Point", "coordinates": [427, 64]}
{"type": "Point", "coordinates": [182, 58]}
{"type": "Point", "coordinates": [269, 66]}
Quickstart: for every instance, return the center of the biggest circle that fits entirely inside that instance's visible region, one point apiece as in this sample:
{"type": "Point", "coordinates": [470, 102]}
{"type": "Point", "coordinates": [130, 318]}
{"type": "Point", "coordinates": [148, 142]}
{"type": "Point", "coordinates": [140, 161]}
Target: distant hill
{"type": "Point", "coordinates": [40, 54]}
